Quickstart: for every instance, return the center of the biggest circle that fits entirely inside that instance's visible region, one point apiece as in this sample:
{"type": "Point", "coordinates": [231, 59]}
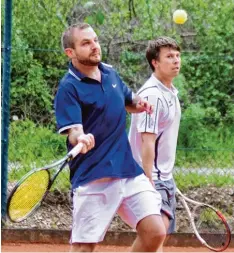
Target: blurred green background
{"type": "Point", "coordinates": [205, 153]}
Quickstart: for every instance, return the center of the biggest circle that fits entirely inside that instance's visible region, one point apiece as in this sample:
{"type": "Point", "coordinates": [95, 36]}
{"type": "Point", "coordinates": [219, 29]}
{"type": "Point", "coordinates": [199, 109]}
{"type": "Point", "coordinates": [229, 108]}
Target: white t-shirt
{"type": "Point", "coordinates": [164, 122]}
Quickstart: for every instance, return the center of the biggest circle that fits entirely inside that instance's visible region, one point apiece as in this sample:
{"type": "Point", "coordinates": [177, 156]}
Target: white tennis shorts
{"type": "Point", "coordinates": [96, 203]}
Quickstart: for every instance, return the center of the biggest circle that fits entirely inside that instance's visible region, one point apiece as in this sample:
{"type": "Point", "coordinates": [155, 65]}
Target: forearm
{"type": "Point", "coordinates": [148, 156]}
{"type": "Point", "coordinates": [139, 105]}
{"type": "Point", "coordinates": [132, 108]}
{"type": "Point", "coordinates": [74, 133]}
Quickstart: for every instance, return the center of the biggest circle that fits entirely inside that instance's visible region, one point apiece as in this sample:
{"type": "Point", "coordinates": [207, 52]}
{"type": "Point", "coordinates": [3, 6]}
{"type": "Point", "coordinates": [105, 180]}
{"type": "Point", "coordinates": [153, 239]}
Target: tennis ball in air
{"type": "Point", "coordinates": [89, 4]}
{"type": "Point", "coordinates": [180, 17]}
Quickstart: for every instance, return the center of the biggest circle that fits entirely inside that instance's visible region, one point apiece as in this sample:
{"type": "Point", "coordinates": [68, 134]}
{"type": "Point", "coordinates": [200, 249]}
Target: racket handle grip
{"type": "Point", "coordinates": [76, 150]}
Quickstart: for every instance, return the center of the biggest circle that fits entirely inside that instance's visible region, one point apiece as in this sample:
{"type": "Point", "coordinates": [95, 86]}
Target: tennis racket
{"type": "Point", "coordinates": [206, 222]}
{"type": "Point", "coordinates": [28, 194]}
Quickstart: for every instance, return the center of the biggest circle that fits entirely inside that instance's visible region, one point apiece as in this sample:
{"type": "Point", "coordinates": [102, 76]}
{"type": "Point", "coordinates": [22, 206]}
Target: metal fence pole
{"type": "Point", "coordinates": [5, 102]}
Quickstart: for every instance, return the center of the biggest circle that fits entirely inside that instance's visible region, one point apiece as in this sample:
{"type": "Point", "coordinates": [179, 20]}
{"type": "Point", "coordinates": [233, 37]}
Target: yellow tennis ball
{"type": "Point", "coordinates": [180, 17]}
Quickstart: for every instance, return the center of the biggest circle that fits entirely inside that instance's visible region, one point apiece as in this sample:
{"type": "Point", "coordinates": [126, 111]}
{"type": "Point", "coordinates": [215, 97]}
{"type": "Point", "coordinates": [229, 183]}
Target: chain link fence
{"type": "Point", "coordinates": [36, 147]}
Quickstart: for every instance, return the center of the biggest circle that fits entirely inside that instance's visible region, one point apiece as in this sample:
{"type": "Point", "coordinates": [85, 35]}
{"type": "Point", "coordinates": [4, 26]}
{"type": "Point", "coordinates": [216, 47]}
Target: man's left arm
{"type": "Point", "coordinates": [139, 105]}
{"type": "Point", "coordinates": [133, 102]}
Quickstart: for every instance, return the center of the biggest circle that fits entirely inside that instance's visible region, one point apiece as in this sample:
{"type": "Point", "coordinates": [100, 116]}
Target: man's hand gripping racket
{"type": "Point", "coordinates": [207, 221]}
{"type": "Point", "coordinates": [31, 190]}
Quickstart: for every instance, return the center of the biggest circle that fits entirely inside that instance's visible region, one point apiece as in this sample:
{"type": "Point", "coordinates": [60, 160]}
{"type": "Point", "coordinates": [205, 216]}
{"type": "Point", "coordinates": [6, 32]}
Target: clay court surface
{"type": "Point", "coordinates": [36, 247]}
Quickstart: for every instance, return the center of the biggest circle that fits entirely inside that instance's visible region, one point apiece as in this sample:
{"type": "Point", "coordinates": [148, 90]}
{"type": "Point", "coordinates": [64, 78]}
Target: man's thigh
{"type": "Point", "coordinates": [143, 202]}
{"type": "Point", "coordinates": [94, 206]}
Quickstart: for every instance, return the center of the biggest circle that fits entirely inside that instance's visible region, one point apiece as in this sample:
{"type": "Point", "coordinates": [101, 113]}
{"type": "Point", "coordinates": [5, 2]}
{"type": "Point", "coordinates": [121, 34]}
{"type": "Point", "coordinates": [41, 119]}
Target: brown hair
{"type": "Point", "coordinates": [67, 39]}
{"type": "Point", "coordinates": [153, 49]}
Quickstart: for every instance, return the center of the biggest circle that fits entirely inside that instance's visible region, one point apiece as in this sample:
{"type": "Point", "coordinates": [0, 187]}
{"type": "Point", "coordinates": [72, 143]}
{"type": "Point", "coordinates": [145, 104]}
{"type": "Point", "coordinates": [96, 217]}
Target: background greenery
{"type": "Point", "coordinates": [206, 82]}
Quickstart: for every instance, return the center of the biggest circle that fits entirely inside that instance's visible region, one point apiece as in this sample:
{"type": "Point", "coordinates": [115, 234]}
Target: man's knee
{"type": "Point", "coordinates": [152, 231]}
{"type": "Point", "coordinates": [83, 247]}
{"type": "Point", "coordinates": [154, 236]}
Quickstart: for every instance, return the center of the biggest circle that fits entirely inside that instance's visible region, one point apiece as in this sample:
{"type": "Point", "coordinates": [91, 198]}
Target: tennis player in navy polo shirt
{"type": "Point", "coordinates": [90, 108]}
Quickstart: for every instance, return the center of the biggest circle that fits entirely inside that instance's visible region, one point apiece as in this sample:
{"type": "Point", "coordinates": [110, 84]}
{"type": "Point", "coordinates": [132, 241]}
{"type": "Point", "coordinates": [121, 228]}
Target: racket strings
{"type": "Point", "coordinates": [211, 227]}
{"type": "Point", "coordinates": [28, 194]}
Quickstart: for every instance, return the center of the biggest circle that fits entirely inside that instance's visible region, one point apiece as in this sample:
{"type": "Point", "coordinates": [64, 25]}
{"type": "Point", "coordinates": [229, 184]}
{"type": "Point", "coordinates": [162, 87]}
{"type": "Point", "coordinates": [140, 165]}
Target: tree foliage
{"type": "Point", "coordinates": [124, 27]}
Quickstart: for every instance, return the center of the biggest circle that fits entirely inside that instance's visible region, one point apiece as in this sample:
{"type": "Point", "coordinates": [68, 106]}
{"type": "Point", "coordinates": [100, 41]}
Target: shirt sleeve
{"type": "Point", "coordinates": [67, 109]}
{"type": "Point", "coordinates": [149, 123]}
{"type": "Point", "coordinates": [127, 92]}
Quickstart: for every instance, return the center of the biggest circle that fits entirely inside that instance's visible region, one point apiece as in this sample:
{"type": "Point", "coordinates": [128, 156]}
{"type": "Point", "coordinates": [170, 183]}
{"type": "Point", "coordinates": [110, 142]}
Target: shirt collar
{"type": "Point", "coordinates": [163, 87]}
{"type": "Point", "coordinates": [79, 76]}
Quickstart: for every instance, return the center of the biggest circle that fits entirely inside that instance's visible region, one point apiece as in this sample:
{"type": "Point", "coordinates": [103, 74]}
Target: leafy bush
{"type": "Point", "coordinates": [209, 80]}
{"type": "Point", "coordinates": [204, 128]}
{"type": "Point", "coordinates": [38, 63]}
{"type": "Point", "coordinates": [31, 146]}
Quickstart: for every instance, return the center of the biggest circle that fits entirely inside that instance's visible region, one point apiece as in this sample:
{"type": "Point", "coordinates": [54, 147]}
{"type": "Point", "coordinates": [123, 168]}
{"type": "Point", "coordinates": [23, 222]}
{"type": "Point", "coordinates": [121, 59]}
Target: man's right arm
{"type": "Point", "coordinates": [148, 153]}
{"type": "Point", "coordinates": [69, 117]}
{"type": "Point", "coordinates": [77, 135]}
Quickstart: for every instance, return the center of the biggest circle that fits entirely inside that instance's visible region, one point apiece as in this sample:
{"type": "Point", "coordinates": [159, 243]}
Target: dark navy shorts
{"type": "Point", "coordinates": [167, 189]}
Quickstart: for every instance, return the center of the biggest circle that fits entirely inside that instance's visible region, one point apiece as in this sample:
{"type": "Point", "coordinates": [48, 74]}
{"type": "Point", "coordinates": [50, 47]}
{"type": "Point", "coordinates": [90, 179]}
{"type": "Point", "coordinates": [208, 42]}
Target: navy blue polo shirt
{"type": "Point", "coordinates": [100, 108]}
